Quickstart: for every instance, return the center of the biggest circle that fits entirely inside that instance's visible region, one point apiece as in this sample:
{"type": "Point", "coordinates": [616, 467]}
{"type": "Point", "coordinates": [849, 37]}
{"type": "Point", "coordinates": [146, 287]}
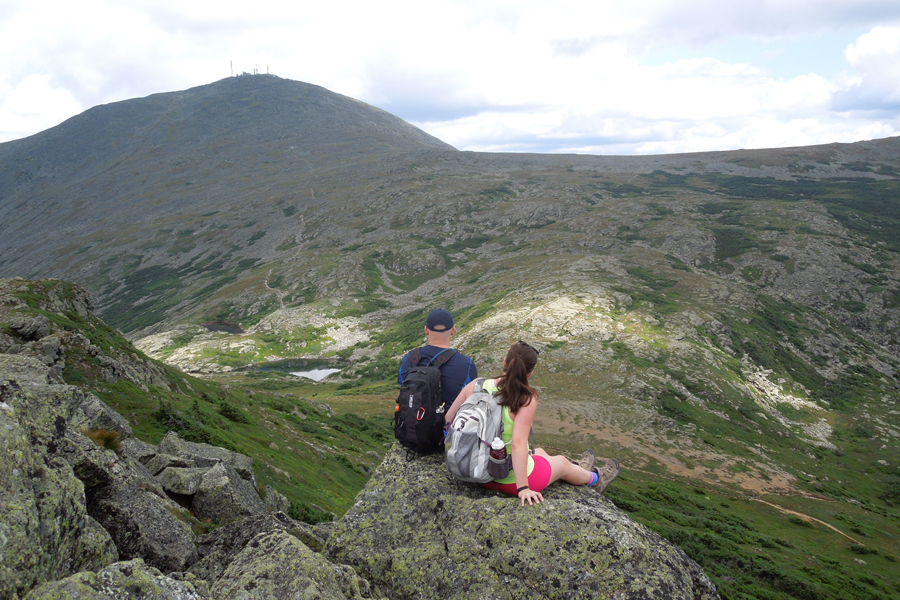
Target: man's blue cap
{"type": "Point", "coordinates": [439, 320]}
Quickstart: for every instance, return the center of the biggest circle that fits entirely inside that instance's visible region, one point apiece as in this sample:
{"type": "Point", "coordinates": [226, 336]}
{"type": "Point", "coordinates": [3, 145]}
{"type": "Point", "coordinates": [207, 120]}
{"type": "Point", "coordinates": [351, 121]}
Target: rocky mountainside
{"type": "Point", "coordinates": [89, 511]}
{"type": "Point", "coordinates": [724, 321]}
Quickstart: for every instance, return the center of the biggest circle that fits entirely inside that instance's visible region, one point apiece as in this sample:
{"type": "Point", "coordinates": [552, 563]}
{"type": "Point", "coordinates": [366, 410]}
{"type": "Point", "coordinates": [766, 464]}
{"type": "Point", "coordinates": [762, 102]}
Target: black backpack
{"type": "Point", "coordinates": [419, 417]}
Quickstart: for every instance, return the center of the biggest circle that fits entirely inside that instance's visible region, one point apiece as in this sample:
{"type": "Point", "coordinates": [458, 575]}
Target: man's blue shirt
{"type": "Point", "coordinates": [455, 373]}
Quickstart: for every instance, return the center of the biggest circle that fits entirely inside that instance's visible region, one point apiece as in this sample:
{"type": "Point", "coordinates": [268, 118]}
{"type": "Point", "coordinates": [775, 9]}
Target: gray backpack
{"type": "Point", "coordinates": [478, 421]}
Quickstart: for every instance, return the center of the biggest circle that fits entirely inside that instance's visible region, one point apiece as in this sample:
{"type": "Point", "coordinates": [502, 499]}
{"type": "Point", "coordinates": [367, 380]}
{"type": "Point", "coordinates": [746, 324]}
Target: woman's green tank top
{"type": "Point", "coordinates": [490, 386]}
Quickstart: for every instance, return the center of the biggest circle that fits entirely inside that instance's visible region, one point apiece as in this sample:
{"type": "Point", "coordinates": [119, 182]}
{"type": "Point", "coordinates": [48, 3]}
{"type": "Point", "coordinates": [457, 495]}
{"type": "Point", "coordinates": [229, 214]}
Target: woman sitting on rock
{"type": "Point", "coordinates": [531, 473]}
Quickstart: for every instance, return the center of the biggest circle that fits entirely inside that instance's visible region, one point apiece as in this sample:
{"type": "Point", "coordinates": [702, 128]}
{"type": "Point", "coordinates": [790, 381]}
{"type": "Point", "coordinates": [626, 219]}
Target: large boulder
{"type": "Point", "coordinates": [143, 525]}
{"type": "Point", "coordinates": [277, 566]}
{"type": "Point", "coordinates": [275, 501]}
{"type": "Point", "coordinates": [132, 580]}
{"type": "Point", "coordinates": [31, 327]}
{"type": "Point", "coordinates": [218, 548]}
{"type": "Point", "coordinates": [160, 462]}
{"type": "Point", "coordinates": [223, 496]}
{"type": "Point", "coordinates": [50, 406]}
{"type": "Point", "coordinates": [181, 481]}
{"type": "Point", "coordinates": [416, 533]}
{"type": "Point", "coordinates": [204, 455]}
{"type": "Point", "coordinates": [138, 450]}
{"type": "Point", "coordinates": [98, 467]}
{"type": "Point", "coordinates": [117, 491]}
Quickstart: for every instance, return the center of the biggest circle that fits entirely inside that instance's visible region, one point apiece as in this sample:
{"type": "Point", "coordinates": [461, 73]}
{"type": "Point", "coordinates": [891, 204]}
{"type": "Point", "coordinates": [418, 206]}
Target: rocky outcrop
{"type": "Point", "coordinates": [413, 532]}
{"type": "Point", "coordinates": [69, 504]}
{"type": "Point", "coordinates": [46, 532]}
{"type": "Point", "coordinates": [219, 548]}
{"type": "Point", "coordinates": [35, 334]}
{"type": "Point", "coordinates": [275, 501]}
{"type": "Point", "coordinates": [144, 527]}
{"type": "Point", "coordinates": [416, 533]}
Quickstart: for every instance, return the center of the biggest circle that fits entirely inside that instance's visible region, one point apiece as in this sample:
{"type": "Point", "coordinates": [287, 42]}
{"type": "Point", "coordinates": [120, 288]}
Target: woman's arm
{"type": "Point", "coordinates": [519, 446]}
{"type": "Point", "coordinates": [460, 398]}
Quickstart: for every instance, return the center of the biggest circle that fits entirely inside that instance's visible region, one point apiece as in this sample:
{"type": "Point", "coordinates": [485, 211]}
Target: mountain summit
{"type": "Point", "coordinates": [203, 149]}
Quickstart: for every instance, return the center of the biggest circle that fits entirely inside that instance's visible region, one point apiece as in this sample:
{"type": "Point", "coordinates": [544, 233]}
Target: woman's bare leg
{"type": "Point", "coordinates": [561, 468]}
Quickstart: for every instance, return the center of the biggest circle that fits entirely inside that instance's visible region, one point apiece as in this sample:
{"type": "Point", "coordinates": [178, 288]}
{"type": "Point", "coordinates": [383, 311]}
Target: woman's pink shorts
{"type": "Point", "coordinates": [537, 481]}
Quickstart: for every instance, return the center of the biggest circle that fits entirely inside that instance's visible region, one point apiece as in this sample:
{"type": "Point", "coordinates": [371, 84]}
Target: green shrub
{"type": "Point", "coordinates": [233, 413]}
{"type": "Point", "coordinates": [303, 511]}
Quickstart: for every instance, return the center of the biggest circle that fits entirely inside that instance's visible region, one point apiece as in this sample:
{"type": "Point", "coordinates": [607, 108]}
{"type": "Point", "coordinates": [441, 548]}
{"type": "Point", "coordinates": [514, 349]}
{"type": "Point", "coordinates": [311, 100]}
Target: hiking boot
{"type": "Point", "coordinates": [588, 460]}
{"type": "Point", "coordinates": [606, 475]}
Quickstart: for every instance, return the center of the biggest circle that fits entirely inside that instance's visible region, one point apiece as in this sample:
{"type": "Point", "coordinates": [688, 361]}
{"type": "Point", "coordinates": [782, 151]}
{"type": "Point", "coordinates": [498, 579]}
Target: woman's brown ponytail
{"type": "Point", "coordinates": [513, 388]}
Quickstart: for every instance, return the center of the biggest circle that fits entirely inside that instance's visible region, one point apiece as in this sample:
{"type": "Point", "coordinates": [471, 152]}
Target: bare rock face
{"type": "Point", "coordinates": [415, 533]}
{"type": "Point", "coordinates": [31, 328]}
{"type": "Point", "coordinates": [275, 501]}
{"type": "Point", "coordinates": [181, 480]}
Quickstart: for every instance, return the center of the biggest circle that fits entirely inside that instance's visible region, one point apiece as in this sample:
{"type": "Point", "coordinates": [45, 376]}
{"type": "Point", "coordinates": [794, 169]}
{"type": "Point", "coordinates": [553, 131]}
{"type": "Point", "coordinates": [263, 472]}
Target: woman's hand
{"type": "Point", "coordinates": [531, 497]}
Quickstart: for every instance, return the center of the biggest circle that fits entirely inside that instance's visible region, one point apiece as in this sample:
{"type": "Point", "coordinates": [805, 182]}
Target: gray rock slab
{"type": "Point", "coordinates": [45, 530]}
{"type": "Point", "coordinates": [218, 548]}
{"type": "Point", "coordinates": [31, 327]}
{"type": "Point", "coordinates": [275, 501]}
{"type": "Point", "coordinates": [161, 462]}
{"type": "Point", "coordinates": [138, 449]}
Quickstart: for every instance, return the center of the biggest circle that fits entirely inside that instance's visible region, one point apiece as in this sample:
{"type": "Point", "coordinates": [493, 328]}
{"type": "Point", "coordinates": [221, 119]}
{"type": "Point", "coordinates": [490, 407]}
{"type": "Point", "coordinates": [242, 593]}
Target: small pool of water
{"type": "Point", "coordinates": [315, 369]}
{"type": "Point", "coordinates": [315, 374]}
{"type": "Point", "coordinates": [223, 327]}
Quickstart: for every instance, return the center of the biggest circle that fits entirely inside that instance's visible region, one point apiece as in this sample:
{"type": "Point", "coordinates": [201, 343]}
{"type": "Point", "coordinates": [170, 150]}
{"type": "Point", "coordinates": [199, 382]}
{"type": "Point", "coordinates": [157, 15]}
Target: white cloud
{"type": "Point", "coordinates": [875, 58]}
{"type": "Point", "coordinates": [34, 105]}
{"type": "Point", "coordinates": [522, 75]}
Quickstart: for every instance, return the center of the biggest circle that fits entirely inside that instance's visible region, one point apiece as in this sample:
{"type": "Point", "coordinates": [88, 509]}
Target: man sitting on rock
{"type": "Point", "coordinates": [417, 427]}
{"type": "Point", "coordinates": [458, 371]}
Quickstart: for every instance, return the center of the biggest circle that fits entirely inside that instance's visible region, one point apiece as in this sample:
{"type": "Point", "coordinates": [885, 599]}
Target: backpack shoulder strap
{"type": "Point", "coordinates": [441, 358]}
{"type": "Point", "coordinates": [415, 355]}
{"type": "Point", "coordinates": [479, 385]}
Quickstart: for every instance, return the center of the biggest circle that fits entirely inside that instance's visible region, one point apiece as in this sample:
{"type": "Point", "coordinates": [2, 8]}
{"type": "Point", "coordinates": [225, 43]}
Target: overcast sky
{"type": "Point", "coordinates": [585, 76]}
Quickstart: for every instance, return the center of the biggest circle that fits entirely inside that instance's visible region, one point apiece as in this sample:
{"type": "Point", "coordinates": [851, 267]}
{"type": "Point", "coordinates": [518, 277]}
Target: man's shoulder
{"type": "Point", "coordinates": [458, 359]}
